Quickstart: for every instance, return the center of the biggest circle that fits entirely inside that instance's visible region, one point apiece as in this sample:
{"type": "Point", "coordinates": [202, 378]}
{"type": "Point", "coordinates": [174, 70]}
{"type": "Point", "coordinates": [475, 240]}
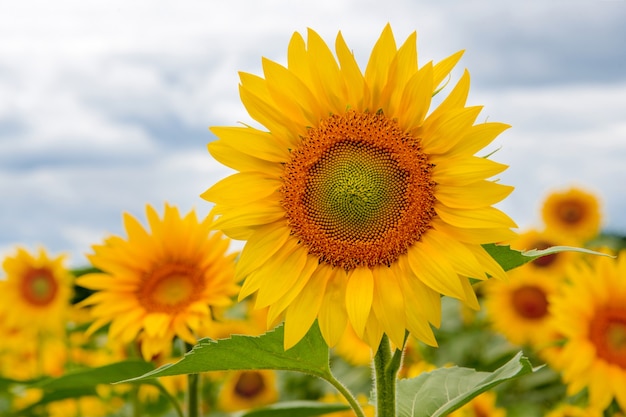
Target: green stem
{"type": "Point", "coordinates": [172, 400]}
{"type": "Point", "coordinates": [193, 400]}
{"type": "Point", "coordinates": [386, 368]}
{"type": "Point", "coordinates": [346, 394]}
{"type": "Point", "coordinates": [193, 391]}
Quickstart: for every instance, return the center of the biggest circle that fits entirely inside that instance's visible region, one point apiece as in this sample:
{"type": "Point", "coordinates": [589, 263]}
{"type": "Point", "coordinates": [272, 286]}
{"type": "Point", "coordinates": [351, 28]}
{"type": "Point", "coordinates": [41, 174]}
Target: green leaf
{"type": "Point", "coordinates": [437, 393]}
{"type": "Point", "coordinates": [106, 374]}
{"type": "Point", "coordinates": [241, 352]}
{"type": "Point", "coordinates": [509, 258]}
{"type": "Point", "coordinates": [296, 409]}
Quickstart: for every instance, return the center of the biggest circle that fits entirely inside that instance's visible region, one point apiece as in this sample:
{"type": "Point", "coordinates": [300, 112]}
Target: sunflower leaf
{"type": "Point", "coordinates": [241, 352]}
{"type": "Point", "coordinates": [93, 376]}
{"type": "Point", "coordinates": [437, 393]}
{"type": "Point", "coordinates": [296, 409]}
{"type": "Point", "coordinates": [509, 258]}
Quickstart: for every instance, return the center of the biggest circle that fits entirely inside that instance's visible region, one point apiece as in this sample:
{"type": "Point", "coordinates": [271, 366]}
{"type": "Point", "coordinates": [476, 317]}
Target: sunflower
{"type": "Point", "coordinates": [483, 405]}
{"type": "Point", "coordinates": [519, 308]}
{"type": "Point", "coordinates": [161, 283]}
{"type": "Point", "coordinates": [248, 389]}
{"type": "Point", "coordinates": [357, 204]}
{"type": "Point", "coordinates": [555, 263]}
{"type": "Point", "coordinates": [36, 294]}
{"type": "Point", "coordinates": [572, 212]}
{"type": "Point", "coordinates": [590, 313]}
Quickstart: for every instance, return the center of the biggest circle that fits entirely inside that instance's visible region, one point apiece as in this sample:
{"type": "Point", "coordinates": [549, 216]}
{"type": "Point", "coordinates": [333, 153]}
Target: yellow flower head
{"type": "Point", "coordinates": [572, 212]}
{"type": "Point", "coordinates": [590, 313]}
{"type": "Point", "coordinates": [358, 204]}
{"type": "Point", "coordinates": [160, 283]}
{"type": "Point", "coordinates": [248, 389]}
{"type": "Point", "coordinates": [555, 263]}
{"type": "Point", "coordinates": [519, 308]}
{"type": "Point", "coordinates": [36, 294]}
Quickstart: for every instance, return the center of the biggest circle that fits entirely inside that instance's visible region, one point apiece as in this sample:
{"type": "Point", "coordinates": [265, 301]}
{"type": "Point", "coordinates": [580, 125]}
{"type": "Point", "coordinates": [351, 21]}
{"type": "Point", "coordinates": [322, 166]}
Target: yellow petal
{"type": "Point", "coordinates": [376, 71]}
{"type": "Point", "coordinates": [476, 195]}
{"type": "Point", "coordinates": [242, 188]}
{"type": "Point", "coordinates": [325, 74]}
{"type": "Point", "coordinates": [285, 276]}
{"type": "Point", "coordinates": [443, 67]}
{"type": "Point", "coordinates": [440, 134]}
{"type": "Point", "coordinates": [461, 171]}
{"type": "Point", "coordinates": [416, 98]}
{"type": "Point", "coordinates": [485, 217]}
{"type": "Point", "coordinates": [388, 303]}
{"type": "Point", "coordinates": [433, 269]}
{"type": "Point", "coordinates": [290, 92]}
{"type": "Point", "coordinates": [239, 161]}
{"type": "Point", "coordinates": [356, 89]}
{"type": "Point", "coordinates": [253, 142]}
{"type": "Point", "coordinates": [261, 246]}
{"type": "Point", "coordinates": [333, 316]}
{"type": "Point", "coordinates": [301, 313]}
{"type": "Point", "coordinates": [359, 295]}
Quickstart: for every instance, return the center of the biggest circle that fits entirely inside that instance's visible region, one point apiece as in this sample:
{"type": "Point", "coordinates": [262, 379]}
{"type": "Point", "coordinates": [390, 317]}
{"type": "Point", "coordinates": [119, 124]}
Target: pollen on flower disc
{"type": "Point", "coordinates": [358, 191]}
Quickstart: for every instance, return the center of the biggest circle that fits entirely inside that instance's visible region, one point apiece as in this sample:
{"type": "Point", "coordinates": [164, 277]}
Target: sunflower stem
{"type": "Point", "coordinates": [193, 391]}
{"type": "Point", "coordinates": [346, 394]}
{"type": "Point", "coordinates": [386, 368]}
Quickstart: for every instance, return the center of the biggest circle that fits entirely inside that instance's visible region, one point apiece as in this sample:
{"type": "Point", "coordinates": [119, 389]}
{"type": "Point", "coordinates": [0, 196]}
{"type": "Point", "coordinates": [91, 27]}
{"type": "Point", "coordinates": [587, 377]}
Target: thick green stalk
{"type": "Point", "coordinates": [193, 397]}
{"type": "Point", "coordinates": [193, 391]}
{"type": "Point", "coordinates": [386, 368]}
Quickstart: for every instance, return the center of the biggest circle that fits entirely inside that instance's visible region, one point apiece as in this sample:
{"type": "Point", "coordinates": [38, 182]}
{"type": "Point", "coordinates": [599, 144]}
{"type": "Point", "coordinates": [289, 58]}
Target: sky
{"type": "Point", "coordinates": [105, 105]}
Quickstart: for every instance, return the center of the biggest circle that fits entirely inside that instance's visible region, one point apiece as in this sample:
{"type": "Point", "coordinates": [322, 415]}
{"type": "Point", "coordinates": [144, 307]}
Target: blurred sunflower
{"type": "Point", "coordinates": [572, 212]}
{"type": "Point", "coordinates": [367, 206]}
{"type": "Point", "coordinates": [160, 283]}
{"type": "Point", "coordinates": [590, 313]}
{"type": "Point", "coordinates": [483, 405]}
{"type": "Point", "coordinates": [248, 389]}
{"type": "Point", "coordinates": [555, 263]}
{"type": "Point", "coordinates": [519, 308]}
{"type": "Point", "coordinates": [36, 294]}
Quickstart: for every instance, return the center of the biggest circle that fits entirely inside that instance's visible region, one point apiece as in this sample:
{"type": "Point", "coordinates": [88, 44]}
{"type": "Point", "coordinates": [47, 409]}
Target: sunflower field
{"type": "Point", "coordinates": [378, 277]}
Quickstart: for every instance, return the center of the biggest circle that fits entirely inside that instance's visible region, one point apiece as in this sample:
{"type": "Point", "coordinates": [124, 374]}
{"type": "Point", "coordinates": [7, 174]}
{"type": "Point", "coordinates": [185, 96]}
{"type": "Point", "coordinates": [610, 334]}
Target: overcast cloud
{"type": "Point", "coordinates": [105, 105]}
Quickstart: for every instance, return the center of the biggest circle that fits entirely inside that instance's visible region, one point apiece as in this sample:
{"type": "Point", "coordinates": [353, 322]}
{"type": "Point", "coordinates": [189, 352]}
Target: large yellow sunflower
{"type": "Point", "coordinates": [160, 283]}
{"type": "Point", "coordinates": [36, 294]}
{"type": "Point", "coordinates": [590, 314]}
{"type": "Point", "coordinates": [358, 204]}
{"type": "Point", "coordinates": [574, 212]}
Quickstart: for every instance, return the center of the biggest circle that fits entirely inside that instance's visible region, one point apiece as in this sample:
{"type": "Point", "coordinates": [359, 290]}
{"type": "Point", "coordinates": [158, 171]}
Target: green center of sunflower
{"type": "Point", "coordinates": [170, 288]}
{"type": "Point", "coordinates": [530, 302]}
{"type": "Point", "coordinates": [358, 191]}
{"type": "Point", "coordinates": [39, 287]}
{"type": "Point", "coordinates": [607, 332]}
{"type": "Point", "coordinates": [249, 384]}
